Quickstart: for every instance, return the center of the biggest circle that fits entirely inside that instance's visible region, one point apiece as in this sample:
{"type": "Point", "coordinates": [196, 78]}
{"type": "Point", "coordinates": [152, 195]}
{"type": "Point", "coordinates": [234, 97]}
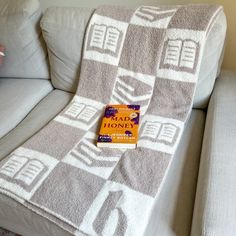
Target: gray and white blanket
{"type": "Point", "coordinates": [148, 56]}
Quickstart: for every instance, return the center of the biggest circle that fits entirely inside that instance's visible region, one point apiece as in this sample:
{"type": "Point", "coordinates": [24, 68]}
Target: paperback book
{"type": "Point", "coordinates": [119, 128]}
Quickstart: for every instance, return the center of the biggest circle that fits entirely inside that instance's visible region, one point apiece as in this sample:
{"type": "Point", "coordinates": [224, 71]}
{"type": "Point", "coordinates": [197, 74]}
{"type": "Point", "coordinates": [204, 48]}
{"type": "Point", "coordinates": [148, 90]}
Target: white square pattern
{"type": "Point", "coordinates": [82, 113]}
{"type": "Point", "coordinates": [160, 133]}
{"type": "Point", "coordinates": [25, 171]}
{"type": "Point", "coordinates": [104, 41]}
{"type": "Point", "coordinates": [181, 54]}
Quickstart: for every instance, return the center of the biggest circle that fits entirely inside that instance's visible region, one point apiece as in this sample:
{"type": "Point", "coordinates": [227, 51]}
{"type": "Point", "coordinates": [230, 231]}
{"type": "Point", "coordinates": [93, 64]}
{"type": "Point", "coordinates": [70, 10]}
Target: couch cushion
{"type": "Point", "coordinates": [215, 204]}
{"type": "Point", "coordinates": [41, 114]}
{"type": "Point", "coordinates": [65, 53]}
{"type": "Point", "coordinates": [173, 211]}
{"type": "Point", "coordinates": [17, 98]}
{"type": "Point", "coordinates": [21, 35]}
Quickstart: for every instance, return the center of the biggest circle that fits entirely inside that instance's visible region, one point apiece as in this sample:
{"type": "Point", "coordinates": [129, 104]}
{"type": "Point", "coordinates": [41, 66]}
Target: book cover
{"type": "Point", "coordinates": [119, 128]}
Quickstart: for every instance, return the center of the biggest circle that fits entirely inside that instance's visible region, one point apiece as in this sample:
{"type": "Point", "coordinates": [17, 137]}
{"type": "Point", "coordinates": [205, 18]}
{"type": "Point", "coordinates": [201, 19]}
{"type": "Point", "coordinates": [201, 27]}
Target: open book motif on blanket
{"type": "Point", "coordinates": [159, 132]}
{"type": "Point", "coordinates": [80, 111]}
{"type": "Point", "coordinates": [180, 55]}
{"type": "Point", "coordinates": [23, 171]}
{"type": "Point", "coordinates": [105, 39]}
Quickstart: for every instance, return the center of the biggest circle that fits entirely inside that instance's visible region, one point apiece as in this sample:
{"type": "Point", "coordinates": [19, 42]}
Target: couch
{"type": "Point", "coordinates": [38, 79]}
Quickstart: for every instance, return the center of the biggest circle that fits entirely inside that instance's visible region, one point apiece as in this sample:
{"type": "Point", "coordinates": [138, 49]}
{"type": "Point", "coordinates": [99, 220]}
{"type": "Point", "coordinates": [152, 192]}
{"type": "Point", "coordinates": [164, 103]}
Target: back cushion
{"type": "Point", "coordinates": [64, 29]}
{"type": "Point", "coordinates": [21, 36]}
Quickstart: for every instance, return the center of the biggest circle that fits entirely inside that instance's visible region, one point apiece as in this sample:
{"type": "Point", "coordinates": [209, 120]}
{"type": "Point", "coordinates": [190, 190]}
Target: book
{"type": "Point", "coordinates": [119, 128]}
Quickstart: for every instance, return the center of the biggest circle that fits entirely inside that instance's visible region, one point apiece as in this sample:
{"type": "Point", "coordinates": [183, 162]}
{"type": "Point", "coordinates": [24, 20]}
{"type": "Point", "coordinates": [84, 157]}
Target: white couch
{"type": "Point", "coordinates": [34, 88]}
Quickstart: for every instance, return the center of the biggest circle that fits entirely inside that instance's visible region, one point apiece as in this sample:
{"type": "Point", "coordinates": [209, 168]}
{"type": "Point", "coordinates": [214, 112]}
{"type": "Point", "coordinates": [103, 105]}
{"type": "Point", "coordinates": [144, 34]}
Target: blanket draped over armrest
{"type": "Point", "coordinates": [148, 56]}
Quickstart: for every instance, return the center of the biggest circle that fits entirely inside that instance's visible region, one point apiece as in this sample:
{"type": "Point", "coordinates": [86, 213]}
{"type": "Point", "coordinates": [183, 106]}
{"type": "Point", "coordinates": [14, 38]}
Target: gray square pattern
{"type": "Point", "coordinates": [101, 75]}
{"type": "Point", "coordinates": [142, 170]}
{"type": "Point", "coordinates": [138, 37]}
{"type": "Point", "coordinates": [173, 98]}
{"type": "Point", "coordinates": [58, 142]}
{"type": "Point", "coordinates": [64, 179]}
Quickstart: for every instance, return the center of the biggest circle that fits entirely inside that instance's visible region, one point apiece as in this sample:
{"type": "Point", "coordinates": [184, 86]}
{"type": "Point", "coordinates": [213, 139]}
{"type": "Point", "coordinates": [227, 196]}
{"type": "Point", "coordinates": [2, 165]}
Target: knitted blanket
{"type": "Point", "coordinates": [149, 56]}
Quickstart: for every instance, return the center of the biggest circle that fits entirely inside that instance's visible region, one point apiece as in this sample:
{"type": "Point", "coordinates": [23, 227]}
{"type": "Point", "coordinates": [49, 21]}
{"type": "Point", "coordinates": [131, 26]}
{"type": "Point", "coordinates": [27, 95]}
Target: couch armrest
{"type": "Point", "coordinates": [215, 204]}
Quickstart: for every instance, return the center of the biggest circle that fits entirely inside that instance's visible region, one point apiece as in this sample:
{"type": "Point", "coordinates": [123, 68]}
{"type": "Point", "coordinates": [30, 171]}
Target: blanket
{"type": "Point", "coordinates": [149, 56]}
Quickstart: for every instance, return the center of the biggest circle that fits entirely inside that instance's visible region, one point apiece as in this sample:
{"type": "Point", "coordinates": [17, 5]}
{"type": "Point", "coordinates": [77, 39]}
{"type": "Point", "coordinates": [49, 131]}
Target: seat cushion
{"type": "Point", "coordinates": [25, 50]}
{"type": "Point", "coordinates": [17, 98]}
{"type": "Point", "coordinates": [41, 114]}
{"type": "Point", "coordinates": [172, 213]}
